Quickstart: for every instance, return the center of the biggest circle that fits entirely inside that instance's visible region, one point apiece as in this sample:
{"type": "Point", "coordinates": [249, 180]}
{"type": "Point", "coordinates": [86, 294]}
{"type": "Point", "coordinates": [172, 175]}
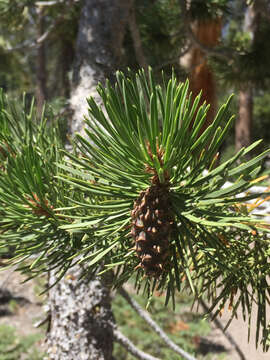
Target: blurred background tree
{"type": "Point", "coordinates": [221, 45]}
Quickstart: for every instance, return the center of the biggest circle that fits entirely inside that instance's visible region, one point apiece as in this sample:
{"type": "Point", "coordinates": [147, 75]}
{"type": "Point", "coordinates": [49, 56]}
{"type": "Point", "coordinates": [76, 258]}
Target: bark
{"type": "Point", "coordinates": [41, 91]}
{"type": "Point", "coordinates": [201, 75]}
{"type": "Point", "coordinates": [243, 125]}
{"type": "Point", "coordinates": [224, 54]}
{"type": "Point", "coordinates": [81, 317]}
{"type": "Point", "coordinates": [244, 122]}
{"type": "Point", "coordinates": [205, 38]}
{"type": "Point", "coordinates": [98, 52]}
{"type": "Point", "coordinates": [66, 59]}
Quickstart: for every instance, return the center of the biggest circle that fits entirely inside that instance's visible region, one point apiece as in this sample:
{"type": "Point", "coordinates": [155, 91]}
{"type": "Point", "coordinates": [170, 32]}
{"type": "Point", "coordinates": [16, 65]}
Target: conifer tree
{"type": "Point", "coordinates": [139, 194]}
{"type": "Point", "coordinates": [135, 197]}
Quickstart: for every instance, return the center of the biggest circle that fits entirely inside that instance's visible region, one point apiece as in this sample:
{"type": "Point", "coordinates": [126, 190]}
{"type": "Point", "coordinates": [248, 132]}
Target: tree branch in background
{"type": "Point", "coordinates": [34, 43]}
{"type": "Point", "coordinates": [53, 2]}
{"type": "Point", "coordinates": [185, 50]}
{"type": "Point", "coordinates": [131, 348]}
{"type": "Point", "coordinates": [228, 336]}
{"type": "Point", "coordinates": [41, 73]}
{"type": "Point", "coordinates": [136, 38]}
{"type": "Point", "coordinates": [143, 314]}
{"type": "Point", "coordinates": [224, 54]}
{"type": "Point", "coordinates": [49, 3]}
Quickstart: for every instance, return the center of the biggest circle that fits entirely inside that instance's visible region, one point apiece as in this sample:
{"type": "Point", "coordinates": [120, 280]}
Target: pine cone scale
{"type": "Point", "coordinates": [152, 222]}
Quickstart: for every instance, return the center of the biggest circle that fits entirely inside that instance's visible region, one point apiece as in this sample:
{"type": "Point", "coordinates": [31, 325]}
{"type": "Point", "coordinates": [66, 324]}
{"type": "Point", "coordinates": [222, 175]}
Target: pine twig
{"type": "Point", "coordinates": [131, 348]}
{"type": "Point", "coordinates": [143, 314]}
{"type": "Point", "coordinates": [42, 321]}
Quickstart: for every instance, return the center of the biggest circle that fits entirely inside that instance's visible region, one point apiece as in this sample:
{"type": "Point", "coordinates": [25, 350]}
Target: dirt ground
{"type": "Point", "coordinates": [239, 332]}
{"type": "Point", "coordinates": [20, 305]}
{"type": "Point", "coordinates": [28, 309]}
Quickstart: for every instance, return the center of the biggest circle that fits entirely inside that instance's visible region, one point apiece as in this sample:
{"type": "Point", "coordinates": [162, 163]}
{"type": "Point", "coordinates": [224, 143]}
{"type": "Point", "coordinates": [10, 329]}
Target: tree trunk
{"type": "Point", "coordinates": [66, 60]}
{"type": "Point", "coordinates": [244, 122]}
{"type": "Point", "coordinates": [41, 91]}
{"type": "Point", "coordinates": [81, 317]}
{"type": "Point", "coordinates": [201, 76]}
{"type": "Point", "coordinates": [136, 38]}
{"type": "Point", "coordinates": [98, 53]}
{"type": "Point", "coordinates": [243, 125]}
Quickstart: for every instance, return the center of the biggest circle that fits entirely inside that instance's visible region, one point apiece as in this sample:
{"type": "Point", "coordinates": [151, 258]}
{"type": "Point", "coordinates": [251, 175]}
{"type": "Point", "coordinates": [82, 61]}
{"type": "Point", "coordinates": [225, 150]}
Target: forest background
{"type": "Point", "coordinates": [222, 46]}
{"type": "Point", "coordinates": [230, 53]}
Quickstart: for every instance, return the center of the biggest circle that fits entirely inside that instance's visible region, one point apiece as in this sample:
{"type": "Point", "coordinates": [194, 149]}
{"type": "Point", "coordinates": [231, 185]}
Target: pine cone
{"type": "Point", "coordinates": [152, 223]}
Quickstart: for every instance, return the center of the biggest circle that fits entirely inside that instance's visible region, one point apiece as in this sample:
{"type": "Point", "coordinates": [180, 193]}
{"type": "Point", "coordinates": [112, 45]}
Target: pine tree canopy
{"type": "Point", "coordinates": [141, 195]}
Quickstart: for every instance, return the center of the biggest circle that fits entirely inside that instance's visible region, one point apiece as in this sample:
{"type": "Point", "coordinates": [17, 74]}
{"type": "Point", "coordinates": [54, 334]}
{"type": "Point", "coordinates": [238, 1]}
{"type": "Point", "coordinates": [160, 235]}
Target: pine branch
{"type": "Point", "coordinates": [131, 348]}
{"type": "Point", "coordinates": [143, 314]}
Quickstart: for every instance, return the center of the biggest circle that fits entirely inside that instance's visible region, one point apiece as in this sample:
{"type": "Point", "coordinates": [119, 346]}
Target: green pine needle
{"type": "Point", "coordinates": [59, 208]}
